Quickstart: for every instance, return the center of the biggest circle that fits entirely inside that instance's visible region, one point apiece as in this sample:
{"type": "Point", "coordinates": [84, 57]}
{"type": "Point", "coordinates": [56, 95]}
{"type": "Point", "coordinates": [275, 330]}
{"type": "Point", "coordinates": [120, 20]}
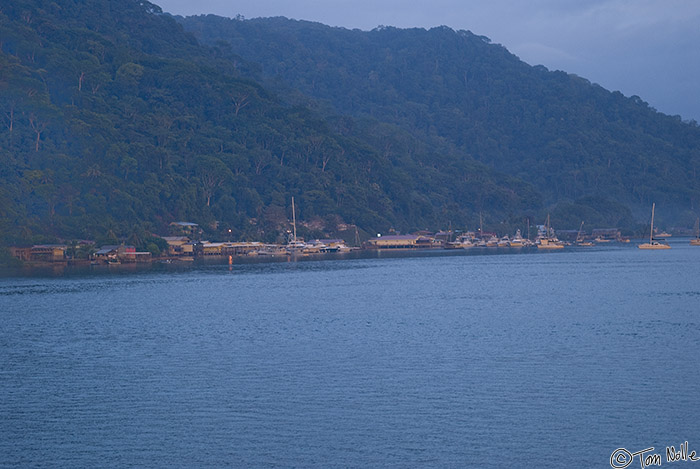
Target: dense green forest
{"type": "Point", "coordinates": [587, 150]}
{"type": "Point", "coordinates": [117, 122]}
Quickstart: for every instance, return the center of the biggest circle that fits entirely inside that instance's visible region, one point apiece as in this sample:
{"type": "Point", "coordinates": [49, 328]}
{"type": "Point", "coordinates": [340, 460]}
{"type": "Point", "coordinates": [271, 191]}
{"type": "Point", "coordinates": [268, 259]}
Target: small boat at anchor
{"type": "Point", "coordinates": [517, 241]}
{"type": "Point", "coordinates": [580, 241]}
{"type": "Point", "coordinates": [696, 241]}
{"type": "Point", "coordinates": [653, 244]}
{"type": "Point", "coordinates": [549, 241]}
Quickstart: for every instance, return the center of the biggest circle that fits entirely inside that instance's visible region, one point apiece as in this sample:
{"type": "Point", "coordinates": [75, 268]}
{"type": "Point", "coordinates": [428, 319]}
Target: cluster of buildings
{"type": "Point", "coordinates": [59, 253]}
{"type": "Point", "coordinates": [545, 239]}
{"type": "Point", "coordinates": [40, 253]}
{"type": "Point", "coordinates": [186, 245]}
{"type": "Point", "coordinates": [182, 246]}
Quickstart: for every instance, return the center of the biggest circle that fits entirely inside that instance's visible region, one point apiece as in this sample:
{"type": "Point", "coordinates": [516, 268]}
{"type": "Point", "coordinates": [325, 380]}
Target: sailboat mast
{"type": "Point", "coordinates": [651, 233]}
{"type": "Point", "coordinates": [294, 221]}
{"type": "Point", "coordinates": [528, 228]}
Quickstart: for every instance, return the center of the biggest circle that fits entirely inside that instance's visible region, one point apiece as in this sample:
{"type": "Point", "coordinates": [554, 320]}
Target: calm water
{"type": "Point", "coordinates": [522, 360]}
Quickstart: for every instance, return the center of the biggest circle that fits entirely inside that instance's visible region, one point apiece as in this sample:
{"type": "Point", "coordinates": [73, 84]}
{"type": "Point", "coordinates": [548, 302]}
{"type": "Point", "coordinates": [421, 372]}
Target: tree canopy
{"type": "Point", "coordinates": [117, 121]}
{"type": "Point", "coordinates": [569, 138]}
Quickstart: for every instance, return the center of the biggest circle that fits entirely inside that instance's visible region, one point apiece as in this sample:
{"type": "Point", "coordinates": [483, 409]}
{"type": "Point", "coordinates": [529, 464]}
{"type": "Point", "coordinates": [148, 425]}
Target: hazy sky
{"type": "Point", "coordinates": [649, 48]}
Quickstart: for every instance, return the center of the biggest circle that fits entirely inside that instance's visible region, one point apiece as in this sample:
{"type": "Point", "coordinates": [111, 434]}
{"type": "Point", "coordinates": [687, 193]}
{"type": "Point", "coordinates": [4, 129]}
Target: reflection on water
{"type": "Point", "coordinates": [539, 360]}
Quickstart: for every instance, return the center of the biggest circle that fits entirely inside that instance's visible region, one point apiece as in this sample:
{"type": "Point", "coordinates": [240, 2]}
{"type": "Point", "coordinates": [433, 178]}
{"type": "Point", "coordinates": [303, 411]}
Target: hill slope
{"type": "Point", "coordinates": [117, 121]}
{"type": "Point", "coordinates": [579, 144]}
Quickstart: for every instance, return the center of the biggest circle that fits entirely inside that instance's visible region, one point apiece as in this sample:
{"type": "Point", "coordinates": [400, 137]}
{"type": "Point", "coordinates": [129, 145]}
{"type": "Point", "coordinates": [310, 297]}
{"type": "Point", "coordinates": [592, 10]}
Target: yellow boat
{"type": "Point", "coordinates": [517, 241]}
{"type": "Point", "coordinates": [546, 243]}
{"type": "Point", "coordinates": [696, 241]}
{"type": "Point", "coordinates": [549, 241]}
{"type": "Point", "coordinates": [653, 244]}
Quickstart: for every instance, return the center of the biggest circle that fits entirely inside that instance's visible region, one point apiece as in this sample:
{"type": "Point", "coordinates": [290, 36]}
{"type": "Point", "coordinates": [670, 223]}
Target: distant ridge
{"type": "Point", "coordinates": [116, 122]}
{"type": "Point", "coordinates": [575, 141]}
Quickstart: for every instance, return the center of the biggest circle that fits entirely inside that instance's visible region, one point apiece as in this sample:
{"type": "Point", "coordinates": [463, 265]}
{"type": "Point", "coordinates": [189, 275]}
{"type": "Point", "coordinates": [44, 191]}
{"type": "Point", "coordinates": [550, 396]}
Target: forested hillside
{"type": "Point", "coordinates": [588, 150]}
{"type": "Point", "coordinates": [117, 122]}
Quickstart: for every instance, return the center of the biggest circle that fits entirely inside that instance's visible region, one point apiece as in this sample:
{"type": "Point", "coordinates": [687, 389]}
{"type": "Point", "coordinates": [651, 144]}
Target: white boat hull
{"type": "Point", "coordinates": [653, 246]}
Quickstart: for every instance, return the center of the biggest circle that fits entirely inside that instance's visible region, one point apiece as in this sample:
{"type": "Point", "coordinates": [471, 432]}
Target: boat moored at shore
{"type": "Point", "coordinates": [653, 244]}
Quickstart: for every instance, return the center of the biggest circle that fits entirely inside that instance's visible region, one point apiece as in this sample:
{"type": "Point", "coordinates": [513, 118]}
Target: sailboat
{"type": "Point", "coordinates": [549, 241]}
{"type": "Point", "coordinates": [696, 241]}
{"type": "Point", "coordinates": [579, 238]}
{"type": "Point", "coordinates": [464, 241]}
{"type": "Point", "coordinates": [295, 244]}
{"type": "Point", "coordinates": [482, 242]}
{"type": "Point", "coordinates": [653, 244]}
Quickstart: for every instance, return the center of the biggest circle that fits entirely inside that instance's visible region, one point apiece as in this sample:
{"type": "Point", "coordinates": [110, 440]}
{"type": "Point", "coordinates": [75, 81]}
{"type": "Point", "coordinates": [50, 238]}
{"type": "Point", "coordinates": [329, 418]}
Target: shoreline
{"type": "Point", "coordinates": [67, 268]}
{"type": "Point", "coordinates": [180, 264]}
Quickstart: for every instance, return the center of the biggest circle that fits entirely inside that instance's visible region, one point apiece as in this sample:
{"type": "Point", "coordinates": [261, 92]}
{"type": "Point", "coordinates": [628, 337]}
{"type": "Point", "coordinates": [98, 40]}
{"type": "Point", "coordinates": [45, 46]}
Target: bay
{"type": "Point", "coordinates": [514, 360]}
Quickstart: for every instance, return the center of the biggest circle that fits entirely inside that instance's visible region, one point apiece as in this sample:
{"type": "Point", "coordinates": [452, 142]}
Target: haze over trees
{"type": "Point", "coordinates": [571, 139]}
{"type": "Point", "coordinates": [115, 120]}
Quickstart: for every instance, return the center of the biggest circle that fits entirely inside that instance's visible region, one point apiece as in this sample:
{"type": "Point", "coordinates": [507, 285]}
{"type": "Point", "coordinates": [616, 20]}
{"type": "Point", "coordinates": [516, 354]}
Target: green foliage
{"type": "Point", "coordinates": [153, 249]}
{"type": "Point", "coordinates": [116, 120]}
{"type": "Point", "coordinates": [466, 97]}
{"type": "Point", "coordinates": [155, 245]}
{"type": "Point", "coordinates": [598, 212]}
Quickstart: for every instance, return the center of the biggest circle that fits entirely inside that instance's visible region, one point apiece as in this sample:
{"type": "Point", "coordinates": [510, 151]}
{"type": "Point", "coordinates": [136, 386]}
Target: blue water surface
{"type": "Point", "coordinates": [517, 360]}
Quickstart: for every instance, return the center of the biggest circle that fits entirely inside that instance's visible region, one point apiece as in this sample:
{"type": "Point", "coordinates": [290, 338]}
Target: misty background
{"type": "Point", "coordinates": [646, 48]}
